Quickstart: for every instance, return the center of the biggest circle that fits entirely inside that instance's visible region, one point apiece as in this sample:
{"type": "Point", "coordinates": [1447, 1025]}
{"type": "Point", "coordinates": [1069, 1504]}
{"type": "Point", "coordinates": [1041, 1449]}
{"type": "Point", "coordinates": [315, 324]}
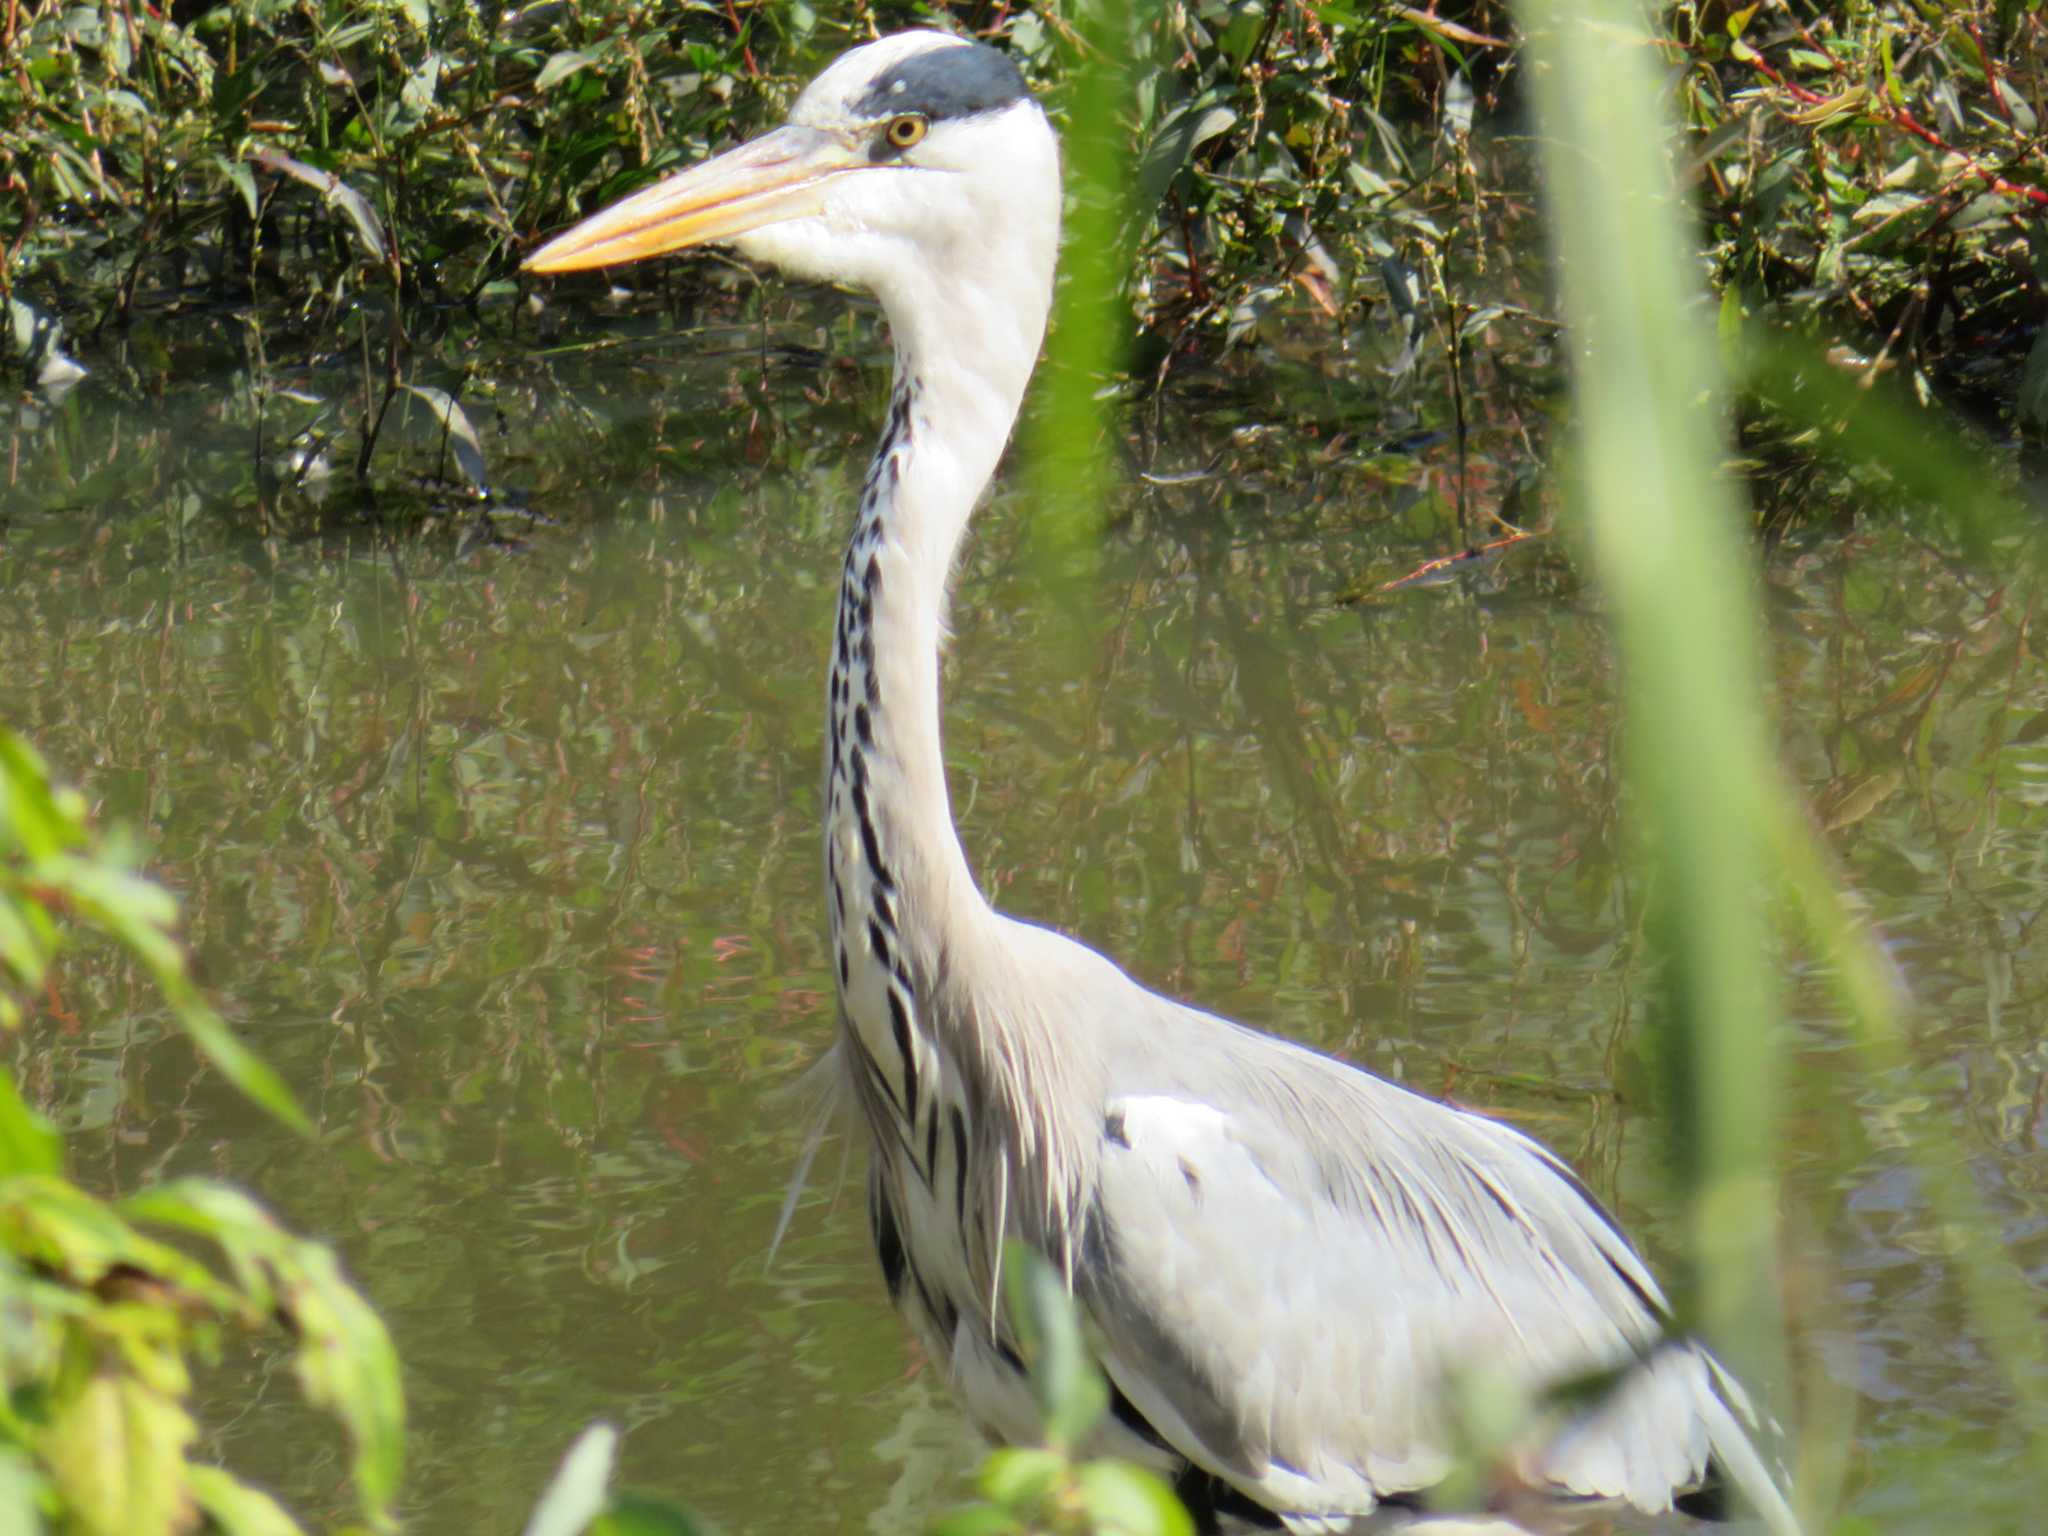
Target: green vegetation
{"type": "Point", "coordinates": [1664, 533]}
{"type": "Point", "coordinates": [105, 1323]}
{"type": "Point", "coordinates": [1049, 1490]}
{"type": "Point", "coordinates": [368, 176]}
{"type": "Point", "coordinates": [1871, 178]}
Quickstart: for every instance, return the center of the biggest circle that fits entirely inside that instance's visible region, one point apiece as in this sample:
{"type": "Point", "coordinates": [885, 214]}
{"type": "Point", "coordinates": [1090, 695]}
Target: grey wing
{"type": "Point", "coordinates": [1283, 1275]}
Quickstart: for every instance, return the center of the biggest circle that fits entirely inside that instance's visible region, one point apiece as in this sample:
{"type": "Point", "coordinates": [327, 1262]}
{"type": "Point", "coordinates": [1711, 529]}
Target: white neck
{"type": "Point", "coordinates": [948, 420]}
{"type": "Point", "coordinates": [899, 888]}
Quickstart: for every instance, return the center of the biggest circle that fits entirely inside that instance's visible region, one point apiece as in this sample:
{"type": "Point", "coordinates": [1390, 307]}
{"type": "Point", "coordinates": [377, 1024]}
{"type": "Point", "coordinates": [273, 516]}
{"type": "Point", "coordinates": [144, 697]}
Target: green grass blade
{"type": "Point", "coordinates": [1667, 538]}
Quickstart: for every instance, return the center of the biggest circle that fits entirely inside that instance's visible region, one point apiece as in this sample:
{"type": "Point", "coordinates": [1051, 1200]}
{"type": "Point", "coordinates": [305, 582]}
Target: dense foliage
{"type": "Point", "coordinates": [1869, 174]}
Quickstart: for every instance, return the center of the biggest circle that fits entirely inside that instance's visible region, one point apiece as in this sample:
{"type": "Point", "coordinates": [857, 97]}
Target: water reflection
{"type": "Point", "coordinates": [507, 860]}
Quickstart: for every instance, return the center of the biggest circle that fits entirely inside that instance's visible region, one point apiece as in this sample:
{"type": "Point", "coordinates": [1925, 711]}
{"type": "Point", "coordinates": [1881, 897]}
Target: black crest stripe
{"type": "Point", "coordinates": [962, 80]}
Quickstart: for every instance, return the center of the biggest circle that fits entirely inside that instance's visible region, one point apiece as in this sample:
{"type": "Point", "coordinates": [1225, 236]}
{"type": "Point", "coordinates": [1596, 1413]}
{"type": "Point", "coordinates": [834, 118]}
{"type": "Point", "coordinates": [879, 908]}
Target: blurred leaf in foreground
{"type": "Point", "coordinates": [1031, 1489]}
{"type": "Point", "coordinates": [54, 864]}
{"type": "Point", "coordinates": [101, 1320]}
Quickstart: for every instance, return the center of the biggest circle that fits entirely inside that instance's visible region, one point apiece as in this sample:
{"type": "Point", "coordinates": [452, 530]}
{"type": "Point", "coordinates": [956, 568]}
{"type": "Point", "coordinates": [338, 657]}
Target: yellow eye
{"type": "Point", "coordinates": [906, 132]}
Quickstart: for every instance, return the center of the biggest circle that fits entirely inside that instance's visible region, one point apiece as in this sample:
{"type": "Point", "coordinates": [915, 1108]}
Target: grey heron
{"type": "Point", "coordinates": [1280, 1257]}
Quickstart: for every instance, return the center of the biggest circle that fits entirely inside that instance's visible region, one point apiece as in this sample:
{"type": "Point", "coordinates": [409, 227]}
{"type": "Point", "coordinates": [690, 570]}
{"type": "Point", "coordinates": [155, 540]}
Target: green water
{"type": "Point", "coordinates": [500, 842]}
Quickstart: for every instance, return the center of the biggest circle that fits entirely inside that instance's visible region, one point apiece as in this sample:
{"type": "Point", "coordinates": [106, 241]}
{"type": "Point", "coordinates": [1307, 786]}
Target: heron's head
{"type": "Point", "coordinates": [918, 167]}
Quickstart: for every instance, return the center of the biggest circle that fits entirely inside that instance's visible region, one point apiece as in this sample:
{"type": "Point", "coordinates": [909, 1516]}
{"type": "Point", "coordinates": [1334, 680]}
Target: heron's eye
{"type": "Point", "coordinates": [906, 132]}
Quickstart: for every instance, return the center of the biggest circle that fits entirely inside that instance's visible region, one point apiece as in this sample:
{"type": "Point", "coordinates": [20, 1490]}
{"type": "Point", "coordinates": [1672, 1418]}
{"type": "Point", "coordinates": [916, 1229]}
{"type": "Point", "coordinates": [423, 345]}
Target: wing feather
{"type": "Point", "coordinates": [1288, 1259]}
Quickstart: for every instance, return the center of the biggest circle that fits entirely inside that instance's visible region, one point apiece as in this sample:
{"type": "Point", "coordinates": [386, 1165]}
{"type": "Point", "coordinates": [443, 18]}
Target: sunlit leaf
{"type": "Point", "coordinates": [416, 96]}
{"type": "Point", "coordinates": [101, 887]}
{"type": "Point", "coordinates": [1123, 1500]}
{"type": "Point", "coordinates": [576, 1494]}
{"type": "Point", "coordinates": [1457, 108]}
{"type": "Point", "coordinates": [344, 1360]}
{"type": "Point", "coordinates": [241, 178]}
{"type": "Point", "coordinates": [33, 814]}
{"type": "Point", "coordinates": [23, 1489]}
{"type": "Point", "coordinates": [1021, 1477]}
{"type": "Point", "coordinates": [26, 939]}
{"type": "Point", "coordinates": [560, 66]}
{"type": "Point", "coordinates": [346, 1363]}
{"type": "Point", "coordinates": [338, 193]}
{"type": "Point", "coordinates": [28, 1142]}
{"type": "Point", "coordinates": [140, 914]}
{"type": "Point", "coordinates": [236, 1509]}
{"type": "Point", "coordinates": [460, 435]}
{"type": "Point", "coordinates": [1449, 30]}
{"type": "Point", "coordinates": [116, 1452]}
{"type": "Point", "coordinates": [1071, 1394]}
{"type": "Point", "coordinates": [69, 1234]}
{"type": "Point", "coordinates": [1333, 15]}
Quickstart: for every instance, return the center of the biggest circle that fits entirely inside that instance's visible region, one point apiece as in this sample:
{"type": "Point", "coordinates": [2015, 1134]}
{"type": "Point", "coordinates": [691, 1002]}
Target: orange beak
{"type": "Point", "coordinates": [781, 175]}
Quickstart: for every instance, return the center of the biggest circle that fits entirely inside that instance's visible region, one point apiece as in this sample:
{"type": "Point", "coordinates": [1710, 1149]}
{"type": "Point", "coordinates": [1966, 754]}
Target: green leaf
{"type": "Point", "coordinates": [1185, 130]}
{"type": "Point", "coordinates": [1892, 87]}
{"type": "Point", "coordinates": [560, 66]}
{"type": "Point", "coordinates": [25, 936]}
{"type": "Point", "coordinates": [102, 886]}
{"type": "Point", "coordinates": [1072, 1397]}
{"type": "Point", "coordinates": [575, 1496]}
{"type": "Point", "coordinates": [28, 1142]}
{"type": "Point", "coordinates": [22, 1491]}
{"type": "Point", "coordinates": [250, 1073]}
{"type": "Point", "coordinates": [2033, 400]}
{"type": "Point", "coordinates": [236, 1509]}
{"type": "Point", "coordinates": [1123, 1500]}
{"type": "Point", "coordinates": [1368, 181]}
{"type": "Point", "coordinates": [645, 1514]}
{"type": "Point", "coordinates": [368, 227]}
{"type": "Point", "coordinates": [225, 1217]}
{"type": "Point", "coordinates": [347, 1365]}
{"type": "Point", "coordinates": [52, 1223]}
{"type": "Point", "coordinates": [1021, 1478]}
{"type": "Point", "coordinates": [137, 911]}
{"type": "Point", "coordinates": [459, 436]}
{"type": "Point", "coordinates": [416, 96]}
{"type": "Point", "coordinates": [345, 1360]}
{"type": "Point", "coordinates": [33, 813]}
{"type": "Point", "coordinates": [241, 178]}
{"type": "Point", "coordinates": [116, 1452]}
{"type": "Point", "coordinates": [124, 103]}
{"type": "Point", "coordinates": [977, 1520]}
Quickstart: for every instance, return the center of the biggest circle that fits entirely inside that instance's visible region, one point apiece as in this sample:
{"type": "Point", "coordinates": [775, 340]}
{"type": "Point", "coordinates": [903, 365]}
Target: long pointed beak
{"type": "Point", "coordinates": [781, 175]}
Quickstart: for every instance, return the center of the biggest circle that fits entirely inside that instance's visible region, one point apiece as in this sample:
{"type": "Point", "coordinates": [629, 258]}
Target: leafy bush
{"type": "Point", "coordinates": [103, 1322]}
{"type": "Point", "coordinates": [1869, 178]}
